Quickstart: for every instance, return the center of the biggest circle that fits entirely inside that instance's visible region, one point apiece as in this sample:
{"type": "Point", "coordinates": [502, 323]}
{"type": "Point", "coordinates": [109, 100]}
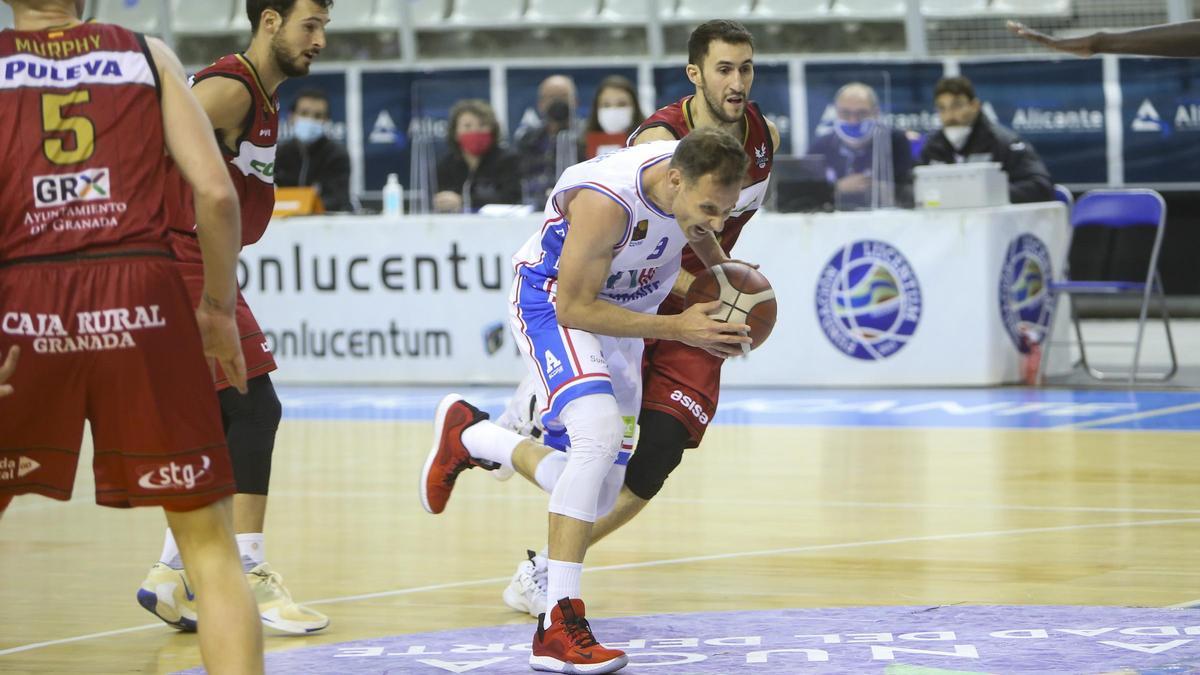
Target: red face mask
{"type": "Point", "coordinates": [475, 142]}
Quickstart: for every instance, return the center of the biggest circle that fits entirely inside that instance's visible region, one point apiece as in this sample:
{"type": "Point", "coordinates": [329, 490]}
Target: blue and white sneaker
{"type": "Point", "coordinates": [167, 594]}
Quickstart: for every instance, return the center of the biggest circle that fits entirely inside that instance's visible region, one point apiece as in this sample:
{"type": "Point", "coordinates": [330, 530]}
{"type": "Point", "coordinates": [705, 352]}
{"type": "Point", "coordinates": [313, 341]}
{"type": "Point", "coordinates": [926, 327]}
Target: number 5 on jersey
{"type": "Point", "coordinates": [56, 122]}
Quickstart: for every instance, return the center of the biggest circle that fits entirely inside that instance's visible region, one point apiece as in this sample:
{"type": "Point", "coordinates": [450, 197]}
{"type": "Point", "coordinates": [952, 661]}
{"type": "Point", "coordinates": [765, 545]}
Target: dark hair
{"type": "Point", "coordinates": [711, 151]}
{"type": "Point", "coordinates": [313, 93]}
{"type": "Point", "coordinates": [615, 82]}
{"type": "Point", "coordinates": [955, 86]}
{"type": "Point", "coordinates": [255, 8]}
{"type": "Point", "coordinates": [477, 107]}
{"type": "Point", "coordinates": [718, 29]}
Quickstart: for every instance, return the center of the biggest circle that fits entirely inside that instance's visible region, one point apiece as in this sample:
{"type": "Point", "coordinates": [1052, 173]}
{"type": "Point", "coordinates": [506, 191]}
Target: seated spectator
{"type": "Point", "coordinates": [477, 170]}
{"type": "Point", "coordinates": [968, 136]}
{"type": "Point", "coordinates": [856, 161]}
{"type": "Point", "coordinates": [311, 157]}
{"type": "Point", "coordinates": [615, 114]}
{"type": "Point", "coordinates": [538, 142]}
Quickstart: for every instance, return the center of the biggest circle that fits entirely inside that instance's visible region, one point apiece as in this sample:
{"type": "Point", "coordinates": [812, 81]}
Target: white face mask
{"type": "Point", "coordinates": [306, 129]}
{"type": "Point", "coordinates": [957, 135]}
{"type": "Point", "coordinates": [615, 120]}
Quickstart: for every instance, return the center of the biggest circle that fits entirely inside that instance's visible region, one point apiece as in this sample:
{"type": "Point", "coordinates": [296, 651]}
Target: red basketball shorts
{"type": "Point", "coordinates": [112, 340]}
{"type": "Point", "coordinates": [259, 360]}
{"type": "Point", "coordinates": [682, 381]}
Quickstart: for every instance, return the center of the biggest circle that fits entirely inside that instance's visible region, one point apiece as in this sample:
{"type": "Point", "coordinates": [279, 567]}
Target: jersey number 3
{"type": "Point", "coordinates": [81, 129]}
{"type": "Point", "coordinates": [660, 249]}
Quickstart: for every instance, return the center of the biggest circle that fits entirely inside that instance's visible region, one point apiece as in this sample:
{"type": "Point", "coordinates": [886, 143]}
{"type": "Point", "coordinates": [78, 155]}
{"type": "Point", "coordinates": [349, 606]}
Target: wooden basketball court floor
{"type": "Point", "coordinates": [797, 499]}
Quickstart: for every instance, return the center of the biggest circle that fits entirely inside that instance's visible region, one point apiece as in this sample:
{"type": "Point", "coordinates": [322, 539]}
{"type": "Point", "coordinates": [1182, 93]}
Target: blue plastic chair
{"type": "Point", "coordinates": [1062, 194]}
{"type": "Point", "coordinates": [1119, 209]}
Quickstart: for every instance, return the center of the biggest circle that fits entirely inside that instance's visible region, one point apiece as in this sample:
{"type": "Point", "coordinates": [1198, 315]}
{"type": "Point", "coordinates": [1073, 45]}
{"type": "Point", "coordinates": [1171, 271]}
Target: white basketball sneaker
{"type": "Point", "coordinates": [520, 416]}
{"type": "Point", "coordinates": [167, 594]}
{"type": "Point", "coordinates": [527, 590]}
{"type": "Point", "coordinates": [276, 607]}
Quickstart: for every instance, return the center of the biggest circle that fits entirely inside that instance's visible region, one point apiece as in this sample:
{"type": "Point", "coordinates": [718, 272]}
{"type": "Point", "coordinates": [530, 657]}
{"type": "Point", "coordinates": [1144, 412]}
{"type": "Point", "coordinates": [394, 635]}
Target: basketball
{"type": "Point", "coordinates": [745, 294]}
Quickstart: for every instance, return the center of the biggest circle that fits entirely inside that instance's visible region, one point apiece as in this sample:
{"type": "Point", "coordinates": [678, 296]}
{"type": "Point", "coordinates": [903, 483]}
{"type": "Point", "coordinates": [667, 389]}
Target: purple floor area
{"type": "Point", "coordinates": [890, 640]}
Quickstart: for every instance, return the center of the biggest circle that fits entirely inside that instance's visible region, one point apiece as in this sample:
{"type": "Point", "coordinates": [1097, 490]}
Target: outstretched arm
{"type": "Point", "coordinates": [1172, 39]}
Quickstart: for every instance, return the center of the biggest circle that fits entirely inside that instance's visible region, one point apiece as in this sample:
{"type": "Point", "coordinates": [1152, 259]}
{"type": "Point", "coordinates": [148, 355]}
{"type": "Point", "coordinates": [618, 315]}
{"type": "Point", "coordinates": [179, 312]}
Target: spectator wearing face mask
{"type": "Point", "coordinates": [854, 158]}
{"type": "Point", "coordinates": [615, 115]}
{"type": "Point", "coordinates": [968, 136]}
{"type": "Point", "coordinates": [550, 143]}
{"type": "Point", "coordinates": [311, 157]}
{"type": "Point", "coordinates": [477, 170]}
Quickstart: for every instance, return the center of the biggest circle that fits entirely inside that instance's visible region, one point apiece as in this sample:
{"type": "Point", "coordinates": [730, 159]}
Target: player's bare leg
{"type": "Point", "coordinates": [527, 456]}
{"type": "Point", "coordinates": [231, 638]}
{"type": "Point", "coordinates": [249, 513]}
{"type": "Point", "coordinates": [568, 538]}
{"type": "Point", "coordinates": [627, 506]}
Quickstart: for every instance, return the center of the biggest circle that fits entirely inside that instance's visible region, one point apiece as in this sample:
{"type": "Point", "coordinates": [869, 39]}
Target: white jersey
{"type": "Point", "coordinates": [645, 262]}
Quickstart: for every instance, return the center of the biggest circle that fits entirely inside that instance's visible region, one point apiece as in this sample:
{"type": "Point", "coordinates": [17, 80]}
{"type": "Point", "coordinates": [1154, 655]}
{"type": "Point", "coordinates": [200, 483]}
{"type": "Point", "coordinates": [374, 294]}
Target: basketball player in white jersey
{"type": "Point", "coordinates": [585, 296]}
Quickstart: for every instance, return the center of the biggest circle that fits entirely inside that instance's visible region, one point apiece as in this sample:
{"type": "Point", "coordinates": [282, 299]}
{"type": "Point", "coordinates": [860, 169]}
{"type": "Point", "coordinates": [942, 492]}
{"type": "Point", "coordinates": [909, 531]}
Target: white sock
{"type": "Point", "coordinates": [563, 582]}
{"type": "Point", "coordinates": [253, 550]}
{"type": "Point", "coordinates": [170, 553]}
{"type": "Point", "coordinates": [487, 440]}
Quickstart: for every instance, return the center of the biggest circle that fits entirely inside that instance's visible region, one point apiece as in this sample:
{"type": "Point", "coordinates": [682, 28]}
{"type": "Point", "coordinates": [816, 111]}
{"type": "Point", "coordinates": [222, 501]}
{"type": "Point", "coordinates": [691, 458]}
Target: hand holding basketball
{"type": "Point", "coordinates": [737, 293]}
{"type": "Point", "coordinates": [698, 329]}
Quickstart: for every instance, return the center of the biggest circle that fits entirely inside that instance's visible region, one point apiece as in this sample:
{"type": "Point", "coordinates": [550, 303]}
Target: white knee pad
{"type": "Point", "coordinates": [596, 431]}
{"type": "Point", "coordinates": [550, 469]}
{"type": "Point", "coordinates": [613, 482]}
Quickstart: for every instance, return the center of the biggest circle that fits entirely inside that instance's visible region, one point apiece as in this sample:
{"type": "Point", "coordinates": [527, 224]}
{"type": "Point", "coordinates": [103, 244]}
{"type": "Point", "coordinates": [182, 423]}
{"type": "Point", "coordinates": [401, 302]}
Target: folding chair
{"type": "Point", "coordinates": [1062, 194]}
{"type": "Point", "coordinates": [1119, 211]}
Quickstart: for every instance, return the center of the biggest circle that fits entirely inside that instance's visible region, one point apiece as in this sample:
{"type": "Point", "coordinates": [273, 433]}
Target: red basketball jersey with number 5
{"type": "Point", "coordinates": [81, 142]}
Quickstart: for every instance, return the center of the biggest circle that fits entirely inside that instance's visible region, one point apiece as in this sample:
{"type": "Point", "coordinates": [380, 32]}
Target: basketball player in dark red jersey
{"type": "Point", "coordinates": [721, 65]}
{"type": "Point", "coordinates": [238, 93]}
{"type": "Point", "coordinates": [681, 384]}
{"type": "Point", "coordinates": [89, 293]}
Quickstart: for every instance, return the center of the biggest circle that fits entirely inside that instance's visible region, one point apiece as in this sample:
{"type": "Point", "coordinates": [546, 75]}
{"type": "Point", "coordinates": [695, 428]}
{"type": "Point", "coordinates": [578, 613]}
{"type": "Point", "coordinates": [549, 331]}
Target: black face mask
{"type": "Point", "coordinates": [559, 111]}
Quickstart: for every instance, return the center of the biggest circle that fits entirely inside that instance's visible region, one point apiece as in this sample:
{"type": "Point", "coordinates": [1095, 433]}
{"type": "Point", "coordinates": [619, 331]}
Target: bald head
{"type": "Point", "coordinates": [556, 87]}
{"type": "Point", "coordinates": [856, 102]}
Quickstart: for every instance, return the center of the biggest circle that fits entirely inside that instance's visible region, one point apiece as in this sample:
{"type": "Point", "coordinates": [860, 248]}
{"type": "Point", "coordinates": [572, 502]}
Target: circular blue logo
{"type": "Point", "coordinates": [868, 300]}
{"type": "Point", "coordinates": [1025, 302]}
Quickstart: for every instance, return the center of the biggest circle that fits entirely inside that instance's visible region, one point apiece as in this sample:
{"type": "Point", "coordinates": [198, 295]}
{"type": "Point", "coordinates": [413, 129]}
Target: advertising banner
{"type": "Point", "coordinates": [1057, 106]}
{"type": "Point", "coordinates": [370, 300]}
{"type": "Point", "coordinates": [903, 297]}
{"type": "Point", "coordinates": [1161, 113]}
{"type": "Point", "coordinates": [883, 298]}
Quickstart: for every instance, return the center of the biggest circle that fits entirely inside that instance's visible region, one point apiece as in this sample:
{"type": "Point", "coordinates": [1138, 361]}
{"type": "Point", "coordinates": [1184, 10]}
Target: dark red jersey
{"type": "Point", "coordinates": [252, 166]}
{"type": "Point", "coordinates": [677, 119]}
{"type": "Point", "coordinates": [81, 142]}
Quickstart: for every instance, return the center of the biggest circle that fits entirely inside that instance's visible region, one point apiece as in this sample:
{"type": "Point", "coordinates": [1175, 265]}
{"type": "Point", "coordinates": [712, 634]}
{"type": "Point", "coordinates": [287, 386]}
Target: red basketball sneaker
{"type": "Point", "coordinates": [568, 645]}
{"type": "Point", "coordinates": [448, 457]}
